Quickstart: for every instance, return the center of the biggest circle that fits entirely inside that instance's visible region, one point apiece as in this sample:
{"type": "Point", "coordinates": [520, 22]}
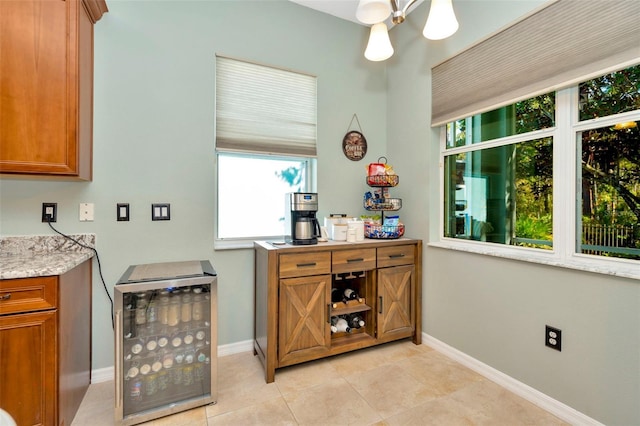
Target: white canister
{"type": "Point", "coordinates": [340, 231]}
{"type": "Point", "coordinates": [358, 228]}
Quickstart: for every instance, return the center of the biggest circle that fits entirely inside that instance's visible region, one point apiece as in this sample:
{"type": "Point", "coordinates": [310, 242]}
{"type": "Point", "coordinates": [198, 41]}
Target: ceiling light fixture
{"type": "Point", "coordinates": [441, 23]}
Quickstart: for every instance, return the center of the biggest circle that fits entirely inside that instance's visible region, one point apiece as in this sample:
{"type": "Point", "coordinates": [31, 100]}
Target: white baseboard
{"type": "Point", "coordinates": [555, 407]}
{"type": "Point", "coordinates": [108, 373]}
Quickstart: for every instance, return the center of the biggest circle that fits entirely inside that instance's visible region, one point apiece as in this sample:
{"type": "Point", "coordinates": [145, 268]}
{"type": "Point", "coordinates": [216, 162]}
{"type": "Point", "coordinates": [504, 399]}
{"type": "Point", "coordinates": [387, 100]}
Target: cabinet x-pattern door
{"type": "Point", "coordinates": [304, 331]}
{"type": "Point", "coordinates": [395, 301]}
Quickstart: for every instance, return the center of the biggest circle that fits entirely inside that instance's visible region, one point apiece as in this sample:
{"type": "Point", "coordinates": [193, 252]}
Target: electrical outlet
{"type": "Point", "coordinates": [49, 212]}
{"type": "Point", "coordinates": [86, 212]}
{"type": "Point", "coordinates": [553, 338]}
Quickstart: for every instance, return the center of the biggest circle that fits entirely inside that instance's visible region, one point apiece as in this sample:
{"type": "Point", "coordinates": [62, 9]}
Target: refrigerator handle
{"type": "Point", "coordinates": [118, 363]}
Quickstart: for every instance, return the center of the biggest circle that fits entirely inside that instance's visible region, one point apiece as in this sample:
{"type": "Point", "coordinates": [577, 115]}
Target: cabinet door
{"type": "Point", "coordinates": [42, 100]}
{"type": "Point", "coordinates": [396, 305]}
{"type": "Point", "coordinates": [304, 329]}
{"type": "Point", "coordinates": [28, 385]}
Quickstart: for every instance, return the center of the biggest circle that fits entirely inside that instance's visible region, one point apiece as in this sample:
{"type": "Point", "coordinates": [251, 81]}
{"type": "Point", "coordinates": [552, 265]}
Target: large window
{"type": "Point", "coordinates": [609, 173]}
{"type": "Point", "coordinates": [501, 190]}
{"type": "Point", "coordinates": [504, 169]}
{"type": "Point", "coordinates": [265, 148]}
{"type": "Point", "coordinates": [251, 195]}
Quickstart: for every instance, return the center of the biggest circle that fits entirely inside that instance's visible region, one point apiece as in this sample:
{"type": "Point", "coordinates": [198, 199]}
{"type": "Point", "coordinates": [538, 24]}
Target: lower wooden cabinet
{"type": "Point", "coordinates": [28, 371]}
{"type": "Point", "coordinates": [294, 308]}
{"type": "Point", "coordinates": [396, 286]}
{"type": "Point", "coordinates": [303, 333]}
{"type": "Point", "coordinates": [45, 346]}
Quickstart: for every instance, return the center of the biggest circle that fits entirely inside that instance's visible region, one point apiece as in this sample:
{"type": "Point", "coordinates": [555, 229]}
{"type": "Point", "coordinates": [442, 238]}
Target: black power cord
{"type": "Point", "coordinates": [99, 267]}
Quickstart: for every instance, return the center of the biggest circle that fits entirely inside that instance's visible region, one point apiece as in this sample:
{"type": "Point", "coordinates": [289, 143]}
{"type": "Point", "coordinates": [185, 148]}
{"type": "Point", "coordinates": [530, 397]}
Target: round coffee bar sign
{"type": "Point", "coordinates": [354, 145]}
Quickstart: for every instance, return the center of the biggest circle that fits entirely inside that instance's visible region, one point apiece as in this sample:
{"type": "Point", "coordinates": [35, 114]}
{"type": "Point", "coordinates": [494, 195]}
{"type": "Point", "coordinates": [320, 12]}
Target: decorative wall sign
{"type": "Point", "coordinates": [354, 144]}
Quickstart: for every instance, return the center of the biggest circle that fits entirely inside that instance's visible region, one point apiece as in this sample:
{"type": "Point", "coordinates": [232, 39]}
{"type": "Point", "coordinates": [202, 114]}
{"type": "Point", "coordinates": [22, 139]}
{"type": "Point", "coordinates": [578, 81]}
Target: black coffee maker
{"type": "Point", "coordinates": [301, 225]}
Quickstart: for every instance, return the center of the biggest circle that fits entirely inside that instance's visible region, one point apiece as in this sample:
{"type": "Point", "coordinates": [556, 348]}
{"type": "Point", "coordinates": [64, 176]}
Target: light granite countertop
{"type": "Point", "coordinates": [42, 255]}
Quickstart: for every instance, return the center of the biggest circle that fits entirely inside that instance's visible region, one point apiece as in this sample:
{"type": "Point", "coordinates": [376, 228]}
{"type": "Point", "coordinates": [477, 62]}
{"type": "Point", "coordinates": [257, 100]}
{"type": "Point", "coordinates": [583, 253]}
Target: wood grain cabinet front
{"type": "Point", "coordinates": [294, 307]}
{"type": "Point", "coordinates": [45, 346]}
{"type": "Point", "coordinates": [46, 64]}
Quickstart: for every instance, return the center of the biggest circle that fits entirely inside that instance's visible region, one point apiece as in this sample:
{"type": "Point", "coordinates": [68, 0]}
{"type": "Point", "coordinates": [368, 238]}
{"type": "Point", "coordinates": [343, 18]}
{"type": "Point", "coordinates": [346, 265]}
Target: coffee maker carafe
{"type": "Point", "coordinates": [301, 225]}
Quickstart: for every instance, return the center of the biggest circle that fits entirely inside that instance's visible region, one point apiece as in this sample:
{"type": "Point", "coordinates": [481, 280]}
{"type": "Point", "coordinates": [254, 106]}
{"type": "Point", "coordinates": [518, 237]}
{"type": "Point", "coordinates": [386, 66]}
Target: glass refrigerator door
{"type": "Point", "coordinates": [167, 348]}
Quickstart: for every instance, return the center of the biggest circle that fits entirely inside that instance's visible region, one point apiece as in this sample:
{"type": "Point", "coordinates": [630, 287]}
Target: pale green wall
{"type": "Point", "coordinates": [153, 142]}
{"type": "Point", "coordinates": [495, 309]}
{"type": "Point", "coordinates": [154, 137]}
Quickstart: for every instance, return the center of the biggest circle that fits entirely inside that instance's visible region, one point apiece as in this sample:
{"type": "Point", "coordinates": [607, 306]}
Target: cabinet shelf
{"type": "Point", "coordinates": [361, 307]}
{"type": "Point", "coordinates": [356, 337]}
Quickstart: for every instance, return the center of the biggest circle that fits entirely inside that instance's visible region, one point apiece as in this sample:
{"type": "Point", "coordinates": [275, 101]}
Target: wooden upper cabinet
{"type": "Point", "coordinates": [46, 86]}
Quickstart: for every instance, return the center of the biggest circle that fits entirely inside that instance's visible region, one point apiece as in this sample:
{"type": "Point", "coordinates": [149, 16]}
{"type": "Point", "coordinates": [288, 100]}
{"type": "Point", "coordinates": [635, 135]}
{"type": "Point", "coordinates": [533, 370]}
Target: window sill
{"type": "Point", "coordinates": [232, 244]}
{"type": "Point", "coordinates": [613, 267]}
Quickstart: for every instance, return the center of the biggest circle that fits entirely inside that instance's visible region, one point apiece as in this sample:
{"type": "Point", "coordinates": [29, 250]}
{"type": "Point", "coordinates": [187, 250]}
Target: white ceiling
{"type": "Point", "coordinates": [345, 9]}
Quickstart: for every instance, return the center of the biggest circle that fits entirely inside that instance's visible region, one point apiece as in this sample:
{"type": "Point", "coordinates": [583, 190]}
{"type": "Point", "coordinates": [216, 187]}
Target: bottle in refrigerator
{"type": "Point", "coordinates": [152, 310]}
{"type": "Point", "coordinates": [185, 307]}
{"type": "Point", "coordinates": [152, 344]}
{"type": "Point", "coordinates": [173, 312]}
{"type": "Point", "coordinates": [163, 308]}
{"type": "Point", "coordinates": [198, 305]}
{"type": "Point", "coordinates": [141, 308]}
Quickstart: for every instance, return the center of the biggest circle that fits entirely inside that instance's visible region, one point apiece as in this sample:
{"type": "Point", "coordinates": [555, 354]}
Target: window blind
{"type": "Point", "coordinates": [561, 44]}
{"type": "Point", "coordinates": [264, 110]}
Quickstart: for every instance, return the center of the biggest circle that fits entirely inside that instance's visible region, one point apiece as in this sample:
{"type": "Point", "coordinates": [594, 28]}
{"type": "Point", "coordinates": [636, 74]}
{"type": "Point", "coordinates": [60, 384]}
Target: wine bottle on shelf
{"type": "Point", "coordinates": [334, 320]}
{"type": "Point", "coordinates": [355, 320]}
{"type": "Point", "coordinates": [351, 294]}
{"type": "Point", "coordinates": [342, 325]}
{"type": "Point", "coordinates": [337, 296]}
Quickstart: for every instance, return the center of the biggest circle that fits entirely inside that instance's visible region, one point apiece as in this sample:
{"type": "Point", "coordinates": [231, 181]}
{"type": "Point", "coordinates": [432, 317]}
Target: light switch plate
{"type": "Point", "coordinates": [122, 213]}
{"type": "Point", "coordinates": [161, 211]}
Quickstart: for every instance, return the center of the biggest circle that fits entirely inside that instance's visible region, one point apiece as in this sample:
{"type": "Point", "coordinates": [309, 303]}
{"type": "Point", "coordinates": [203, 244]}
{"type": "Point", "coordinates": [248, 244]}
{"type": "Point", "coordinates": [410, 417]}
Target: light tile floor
{"type": "Point", "coordinates": [394, 384]}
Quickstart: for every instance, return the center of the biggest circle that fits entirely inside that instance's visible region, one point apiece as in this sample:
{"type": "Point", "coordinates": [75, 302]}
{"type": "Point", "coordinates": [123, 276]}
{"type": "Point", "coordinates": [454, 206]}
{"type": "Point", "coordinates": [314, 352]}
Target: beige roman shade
{"type": "Point", "coordinates": [560, 44]}
{"type": "Point", "coordinates": [263, 109]}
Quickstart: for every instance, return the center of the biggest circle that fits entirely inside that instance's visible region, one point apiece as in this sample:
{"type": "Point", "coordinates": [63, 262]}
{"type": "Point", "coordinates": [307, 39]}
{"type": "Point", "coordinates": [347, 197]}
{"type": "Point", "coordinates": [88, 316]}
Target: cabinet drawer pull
{"type": "Point", "coordinates": [359, 259]}
{"type": "Point", "coordinates": [5, 296]}
{"type": "Point", "coordinates": [329, 313]}
{"type": "Point", "coordinates": [380, 304]}
{"type": "Point", "coordinates": [304, 265]}
{"type": "Point", "coordinates": [396, 256]}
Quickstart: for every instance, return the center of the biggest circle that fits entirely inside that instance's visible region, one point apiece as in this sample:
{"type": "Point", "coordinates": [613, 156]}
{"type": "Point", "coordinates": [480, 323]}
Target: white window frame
{"type": "Point", "coordinates": [566, 163]}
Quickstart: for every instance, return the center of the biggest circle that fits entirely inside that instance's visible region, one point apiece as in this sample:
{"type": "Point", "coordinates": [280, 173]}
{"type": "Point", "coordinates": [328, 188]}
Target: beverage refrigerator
{"type": "Point", "coordinates": [165, 340]}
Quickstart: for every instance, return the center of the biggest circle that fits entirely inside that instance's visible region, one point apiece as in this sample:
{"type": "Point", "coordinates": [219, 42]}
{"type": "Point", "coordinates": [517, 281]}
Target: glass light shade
{"type": "Point", "coordinates": [441, 22]}
{"type": "Point", "coordinates": [373, 11]}
{"type": "Point", "coordinates": [379, 47]}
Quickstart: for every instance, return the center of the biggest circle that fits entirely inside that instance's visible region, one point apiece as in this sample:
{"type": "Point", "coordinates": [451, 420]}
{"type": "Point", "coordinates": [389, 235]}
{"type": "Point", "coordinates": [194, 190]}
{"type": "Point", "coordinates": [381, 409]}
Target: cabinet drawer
{"type": "Point", "coordinates": [305, 264]}
{"type": "Point", "coordinates": [353, 260]}
{"type": "Point", "coordinates": [28, 294]}
{"type": "Point", "coordinates": [396, 255]}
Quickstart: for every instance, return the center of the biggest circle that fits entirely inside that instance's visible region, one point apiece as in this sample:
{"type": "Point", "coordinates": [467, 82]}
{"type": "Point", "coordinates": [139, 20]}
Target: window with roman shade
{"type": "Point", "coordinates": [265, 148]}
{"type": "Point", "coordinates": [540, 124]}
